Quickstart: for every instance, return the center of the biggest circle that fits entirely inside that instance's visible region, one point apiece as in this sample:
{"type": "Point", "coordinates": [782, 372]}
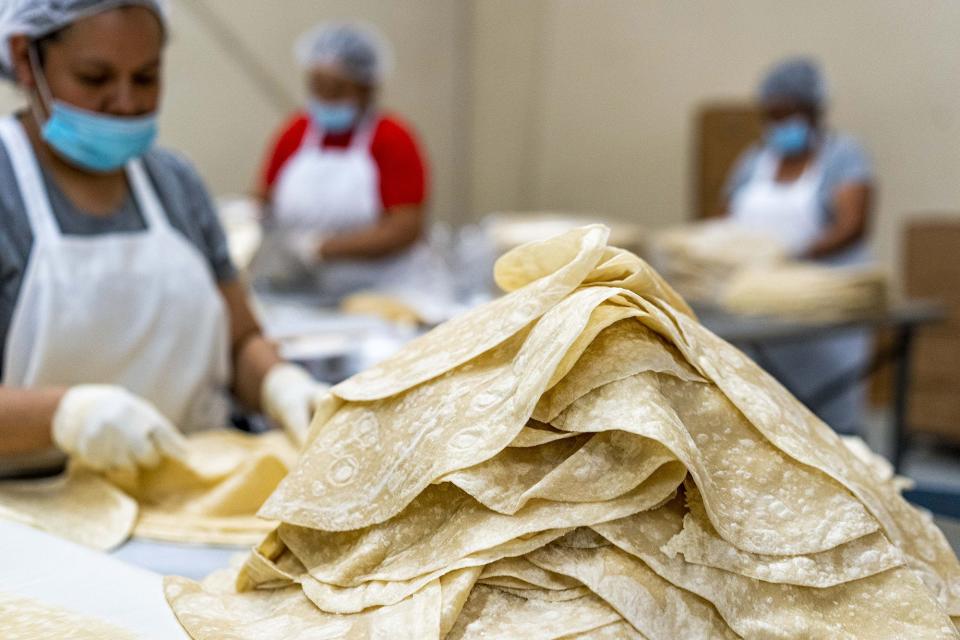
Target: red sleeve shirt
{"type": "Point", "coordinates": [403, 171]}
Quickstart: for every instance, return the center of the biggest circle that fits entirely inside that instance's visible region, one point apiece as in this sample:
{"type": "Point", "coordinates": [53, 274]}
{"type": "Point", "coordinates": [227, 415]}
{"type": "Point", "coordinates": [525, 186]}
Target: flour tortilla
{"type": "Point", "coordinates": [758, 499]}
{"type": "Point", "coordinates": [536, 434]}
{"type": "Point", "coordinates": [656, 608]}
{"type": "Point", "coordinates": [79, 506]}
{"type": "Point", "coordinates": [603, 467]}
{"type": "Point", "coordinates": [699, 543]}
{"type": "Point", "coordinates": [552, 269]}
{"type": "Point", "coordinates": [445, 525]}
{"type": "Point", "coordinates": [525, 572]}
{"type": "Point", "coordinates": [376, 593]}
{"type": "Point", "coordinates": [582, 538]}
{"type": "Point", "coordinates": [491, 613]}
{"type": "Point", "coordinates": [26, 618]}
{"type": "Point", "coordinates": [215, 611]}
{"type": "Point", "coordinates": [890, 605]}
{"type": "Point", "coordinates": [797, 432]}
{"type": "Point", "coordinates": [548, 595]}
{"type": "Point", "coordinates": [455, 588]}
{"type": "Point", "coordinates": [373, 458]}
{"type": "Point", "coordinates": [620, 351]}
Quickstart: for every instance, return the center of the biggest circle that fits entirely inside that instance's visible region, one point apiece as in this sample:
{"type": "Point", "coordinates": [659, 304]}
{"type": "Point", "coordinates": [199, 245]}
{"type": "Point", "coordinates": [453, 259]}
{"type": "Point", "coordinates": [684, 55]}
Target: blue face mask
{"type": "Point", "coordinates": [333, 117]}
{"type": "Point", "coordinates": [91, 140]}
{"type": "Point", "coordinates": [97, 142]}
{"type": "Point", "coordinates": [790, 137]}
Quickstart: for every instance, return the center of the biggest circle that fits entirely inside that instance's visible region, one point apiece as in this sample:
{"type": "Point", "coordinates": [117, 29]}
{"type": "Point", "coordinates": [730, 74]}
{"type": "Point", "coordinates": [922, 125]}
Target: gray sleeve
{"type": "Point", "coordinates": [849, 162]}
{"type": "Point", "coordinates": [195, 214]}
{"type": "Point", "coordinates": [742, 172]}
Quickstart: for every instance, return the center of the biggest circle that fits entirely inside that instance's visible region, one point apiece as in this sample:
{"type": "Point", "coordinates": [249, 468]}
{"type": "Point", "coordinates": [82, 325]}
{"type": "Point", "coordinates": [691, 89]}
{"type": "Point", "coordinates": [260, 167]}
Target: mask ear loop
{"type": "Point", "coordinates": [43, 92]}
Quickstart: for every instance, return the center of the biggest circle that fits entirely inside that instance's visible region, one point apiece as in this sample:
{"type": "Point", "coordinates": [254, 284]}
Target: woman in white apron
{"type": "Point", "coordinates": [347, 196]}
{"type": "Point", "coordinates": [116, 336]}
{"type": "Point", "coordinates": [811, 189]}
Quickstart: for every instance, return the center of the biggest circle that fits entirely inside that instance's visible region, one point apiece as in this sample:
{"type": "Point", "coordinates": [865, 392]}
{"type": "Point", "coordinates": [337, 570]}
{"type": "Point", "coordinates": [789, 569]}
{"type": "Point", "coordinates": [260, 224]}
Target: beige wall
{"type": "Point", "coordinates": [587, 104]}
{"type": "Point", "coordinates": [616, 83]}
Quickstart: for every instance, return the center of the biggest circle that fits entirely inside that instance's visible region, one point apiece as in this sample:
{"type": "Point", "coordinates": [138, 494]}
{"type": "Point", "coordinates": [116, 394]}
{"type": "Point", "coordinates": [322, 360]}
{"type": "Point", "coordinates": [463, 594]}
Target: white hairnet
{"type": "Point", "coordinates": [358, 50]}
{"type": "Point", "coordinates": [37, 18]}
{"type": "Point", "coordinates": [796, 79]}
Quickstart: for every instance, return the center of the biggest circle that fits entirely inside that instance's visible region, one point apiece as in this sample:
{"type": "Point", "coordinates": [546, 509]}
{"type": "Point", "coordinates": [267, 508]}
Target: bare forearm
{"type": "Point", "coordinates": [851, 218]}
{"type": "Point", "coordinates": [252, 354]}
{"type": "Point", "coordinates": [251, 366]}
{"type": "Point", "coordinates": [835, 239]}
{"type": "Point", "coordinates": [25, 419]}
{"type": "Point", "coordinates": [397, 230]}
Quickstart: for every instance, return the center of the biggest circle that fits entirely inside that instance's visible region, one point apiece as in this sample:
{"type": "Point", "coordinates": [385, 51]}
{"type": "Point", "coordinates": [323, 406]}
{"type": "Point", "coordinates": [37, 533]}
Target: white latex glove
{"type": "Point", "coordinates": [305, 246]}
{"type": "Point", "coordinates": [289, 396]}
{"type": "Point", "coordinates": [108, 428]}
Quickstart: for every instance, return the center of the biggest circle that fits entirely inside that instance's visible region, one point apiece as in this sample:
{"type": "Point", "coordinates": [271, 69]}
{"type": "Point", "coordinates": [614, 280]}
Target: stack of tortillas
{"type": "Point", "coordinates": [700, 259]}
{"type": "Point", "coordinates": [806, 291]}
{"type": "Point", "coordinates": [579, 459]}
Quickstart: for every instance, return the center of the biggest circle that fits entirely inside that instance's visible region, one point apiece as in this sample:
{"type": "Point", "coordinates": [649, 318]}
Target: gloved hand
{"type": "Point", "coordinates": [305, 246]}
{"type": "Point", "coordinates": [289, 396]}
{"type": "Point", "coordinates": [108, 428]}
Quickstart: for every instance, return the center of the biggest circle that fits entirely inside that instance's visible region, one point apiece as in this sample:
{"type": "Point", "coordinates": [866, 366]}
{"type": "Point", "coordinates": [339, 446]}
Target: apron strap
{"type": "Point", "coordinates": [29, 180]}
{"type": "Point", "coordinates": [313, 138]}
{"type": "Point", "coordinates": [146, 196]}
{"type": "Point", "coordinates": [363, 136]}
{"type": "Point", "coordinates": [766, 166]}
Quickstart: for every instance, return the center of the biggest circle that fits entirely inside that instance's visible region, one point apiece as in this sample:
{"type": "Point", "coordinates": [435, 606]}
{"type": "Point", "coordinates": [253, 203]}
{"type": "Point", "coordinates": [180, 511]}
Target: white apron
{"type": "Point", "coordinates": [333, 190]}
{"type": "Point", "coordinates": [791, 212]}
{"type": "Point", "coordinates": [140, 310]}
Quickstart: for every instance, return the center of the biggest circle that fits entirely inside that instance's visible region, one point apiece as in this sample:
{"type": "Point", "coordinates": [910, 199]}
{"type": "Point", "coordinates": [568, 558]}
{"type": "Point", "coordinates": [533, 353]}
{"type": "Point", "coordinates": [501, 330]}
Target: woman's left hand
{"type": "Point", "coordinates": [290, 396]}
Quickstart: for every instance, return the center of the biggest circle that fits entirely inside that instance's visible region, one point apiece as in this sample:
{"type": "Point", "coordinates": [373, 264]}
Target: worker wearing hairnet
{"type": "Point", "coordinates": [346, 183]}
{"type": "Point", "coordinates": [810, 188]}
{"type": "Point", "coordinates": [121, 318]}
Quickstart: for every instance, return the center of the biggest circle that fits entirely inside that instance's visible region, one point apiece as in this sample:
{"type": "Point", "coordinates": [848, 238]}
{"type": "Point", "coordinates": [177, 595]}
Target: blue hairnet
{"type": "Point", "coordinates": [795, 79]}
{"type": "Point", "coordinates": [357, 50]}
{"type": "Point", "coordinates": [37, 18]}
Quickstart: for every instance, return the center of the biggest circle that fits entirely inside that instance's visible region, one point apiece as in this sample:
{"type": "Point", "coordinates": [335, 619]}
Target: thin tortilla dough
{"type": "Point", "coordinates": [620, 351]}
{"type": "Point", "coordinates": [605, 466]}
{"type": "Point", "coordinates": [445, 525]}
{"type": "Point", "coordinates": [492, 613]}
{"type": "Point", "coordinates": [553, 269]}
{"type": "Point", "coordinates": [523, 570]}
{"type": "Point", "coordinates": [27, 619]}
{"type": "Point", "coordinates": [455, 588]}
{"type": "Point", "coordinates": [699, 543]}
{"type": "Point", "coordinates": [79, 506]}
{"type": "Point", "coordinates": [757, 498]}
{"type": "Point", "coordinates": [534, 435]}
{"type": "Point", "coordinates": [375, 593]}
{"type": "Point", "coordinates": [654, 606]}
{"type": "Point", "coordinates": [796, 431]}
{"type": "Point", "coordinates": [887, 606]}
{"type": "Point", "coordinates": [215, 611]}
{"type": "Point", "coordinates": [373, 458]}
{"type": "Point", "coordinates": [211, 498]}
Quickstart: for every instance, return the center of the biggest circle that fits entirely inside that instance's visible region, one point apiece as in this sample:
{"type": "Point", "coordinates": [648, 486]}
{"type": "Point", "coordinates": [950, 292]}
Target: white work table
{"type": "Point", "coordinates": [173, 559]}
{"type": "Point", "coordinates": [61, 574]}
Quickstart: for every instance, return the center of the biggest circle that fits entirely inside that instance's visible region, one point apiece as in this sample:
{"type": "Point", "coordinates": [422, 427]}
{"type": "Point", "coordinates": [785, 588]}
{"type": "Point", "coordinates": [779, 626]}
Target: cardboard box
{"type": "Point", "coordinates": [723, 131]}
{"type": "Point", "coordinates": [931, 262]}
